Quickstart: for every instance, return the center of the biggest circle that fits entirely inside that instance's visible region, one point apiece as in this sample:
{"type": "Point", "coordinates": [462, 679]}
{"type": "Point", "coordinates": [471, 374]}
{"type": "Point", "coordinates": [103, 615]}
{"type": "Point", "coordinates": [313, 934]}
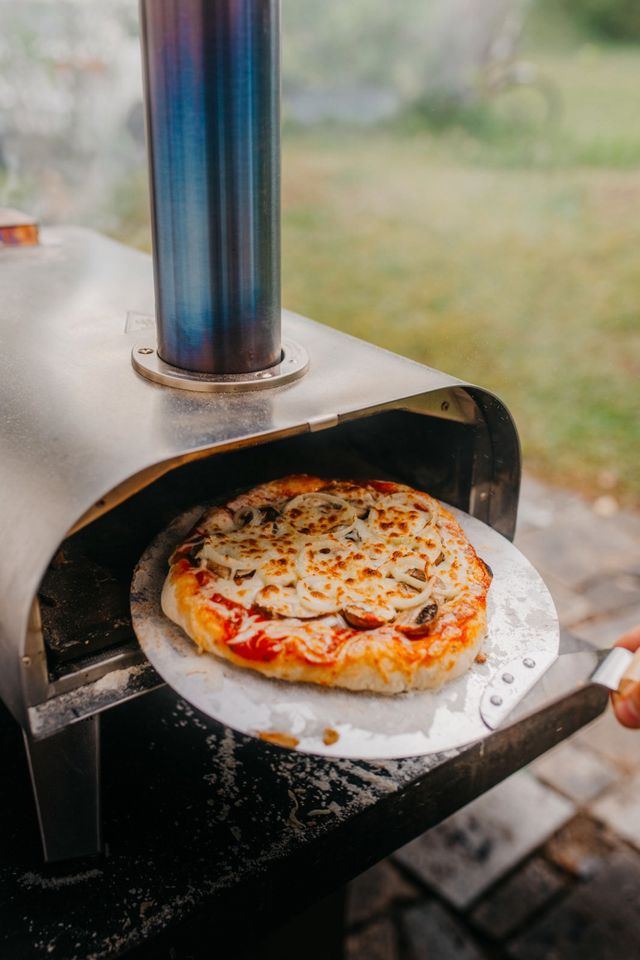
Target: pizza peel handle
{"type": "Point", "coordinates": [522, 623]}
{"type": "Point", "coordinates": [631, 674]}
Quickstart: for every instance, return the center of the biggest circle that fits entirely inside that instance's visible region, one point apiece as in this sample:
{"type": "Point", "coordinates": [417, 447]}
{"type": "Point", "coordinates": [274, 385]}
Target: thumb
{"type": "Point", "coordinates": [630, 639]}
{"type": "Point", "coordinates": [627, 706]}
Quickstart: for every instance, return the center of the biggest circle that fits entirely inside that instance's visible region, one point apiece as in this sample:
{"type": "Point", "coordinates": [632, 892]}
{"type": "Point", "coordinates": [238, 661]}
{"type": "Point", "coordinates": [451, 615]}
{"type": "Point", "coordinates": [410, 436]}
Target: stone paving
{"type": "Point", "coordinates": [546, 866]}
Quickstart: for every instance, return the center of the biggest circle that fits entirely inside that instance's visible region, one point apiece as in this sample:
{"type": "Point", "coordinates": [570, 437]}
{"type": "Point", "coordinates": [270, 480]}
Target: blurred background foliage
{"type": "Point", "coordinates": [615, 19]}
{"type": "Point", "coordinates": [461, 183]}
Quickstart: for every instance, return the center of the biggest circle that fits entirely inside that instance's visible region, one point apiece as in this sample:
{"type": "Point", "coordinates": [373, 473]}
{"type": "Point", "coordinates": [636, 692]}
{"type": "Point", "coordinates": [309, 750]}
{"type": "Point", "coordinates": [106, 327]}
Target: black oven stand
{"type": "Point", "coordinates": [214, 840]}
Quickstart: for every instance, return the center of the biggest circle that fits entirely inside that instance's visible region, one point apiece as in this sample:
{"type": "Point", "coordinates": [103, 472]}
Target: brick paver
{"type": "Point", "coordinates": [516, 900]}
{"type": "Point", "coordinates": [612, 741]}
{"type": "Point", "coordinates": [603, 632]}
{"type": "Point", "coordinates": [378, 891]}
{"type": "Point", "coordinates": [431, 932]}
{"type": "Point", "coordinates": [469, 851]}
{"type": "Point", "coordinates": [552, 870]}
{"type": "Point", "coordinates": [620, 810]}
{"type": "Point", "coordinates": [378, 941]}
{"type": "Point", "coordinates": [575, 771]}
{"type": "Point", "coordinates": [581, 848]}
{"type": "Point", "coordinates": [613, 594]}
{"type": "Point", "coordinates": [598, 920]}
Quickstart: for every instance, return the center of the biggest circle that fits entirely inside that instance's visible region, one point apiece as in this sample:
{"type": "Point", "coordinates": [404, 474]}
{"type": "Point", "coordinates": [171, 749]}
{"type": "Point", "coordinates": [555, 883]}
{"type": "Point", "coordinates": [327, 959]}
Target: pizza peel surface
{"type": "Point", "coordinates": [366, 585]}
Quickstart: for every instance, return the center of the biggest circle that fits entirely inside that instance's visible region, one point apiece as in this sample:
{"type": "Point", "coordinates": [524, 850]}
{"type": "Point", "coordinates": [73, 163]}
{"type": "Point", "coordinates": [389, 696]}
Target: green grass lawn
{"type": "Point", "coordinates": [502, 248]}
{"type": "Point", "coordinates": [527, 282]}
{"type": "Point", "coordinates": [521, 275]}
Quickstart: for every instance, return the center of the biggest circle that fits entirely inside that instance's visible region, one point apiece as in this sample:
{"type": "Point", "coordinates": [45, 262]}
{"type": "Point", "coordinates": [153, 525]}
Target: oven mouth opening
{"type": "Point", "coordinates": [84, 595]}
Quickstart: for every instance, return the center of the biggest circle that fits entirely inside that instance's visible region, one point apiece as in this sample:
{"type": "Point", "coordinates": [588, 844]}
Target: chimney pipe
{"type": "Point", "coordinates": [212, 102]}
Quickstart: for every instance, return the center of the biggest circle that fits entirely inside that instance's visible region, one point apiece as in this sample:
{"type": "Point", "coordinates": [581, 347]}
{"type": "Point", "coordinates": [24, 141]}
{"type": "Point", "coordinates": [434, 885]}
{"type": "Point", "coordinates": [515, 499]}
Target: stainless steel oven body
{"type": "Point", "coordinates": [94, 458]}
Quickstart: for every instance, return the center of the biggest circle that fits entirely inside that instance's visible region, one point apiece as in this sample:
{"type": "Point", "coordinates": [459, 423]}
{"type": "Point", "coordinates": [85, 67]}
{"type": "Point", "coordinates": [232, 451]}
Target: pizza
{"type": "Point", "coordinates": [368, 585]}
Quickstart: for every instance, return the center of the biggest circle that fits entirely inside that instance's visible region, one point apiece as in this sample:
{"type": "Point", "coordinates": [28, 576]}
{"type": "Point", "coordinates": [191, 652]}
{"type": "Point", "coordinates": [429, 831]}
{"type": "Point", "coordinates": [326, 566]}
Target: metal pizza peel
{"type": "Point", "coordinates": [522, 642]}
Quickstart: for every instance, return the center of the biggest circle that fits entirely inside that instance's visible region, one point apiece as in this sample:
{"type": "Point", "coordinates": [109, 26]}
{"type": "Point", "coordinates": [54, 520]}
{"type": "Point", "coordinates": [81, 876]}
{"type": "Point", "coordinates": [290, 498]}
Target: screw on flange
{"type": "Point", "coordinates": [444, 405]}
{"type": "Point", "coordinates": [528, 662]}
{"type": "Point", "coordinates": [145, 350]}
{"type": "Point", "coordinates": [496, 700]}
{"type": "Point", "coordinates": [507, 677]}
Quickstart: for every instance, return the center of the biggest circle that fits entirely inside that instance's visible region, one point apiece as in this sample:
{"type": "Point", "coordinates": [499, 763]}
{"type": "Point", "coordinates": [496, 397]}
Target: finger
{"type": "Point", "coordinates": [630, 639]}
{"type": "Point", "coordinates": [627, 708]}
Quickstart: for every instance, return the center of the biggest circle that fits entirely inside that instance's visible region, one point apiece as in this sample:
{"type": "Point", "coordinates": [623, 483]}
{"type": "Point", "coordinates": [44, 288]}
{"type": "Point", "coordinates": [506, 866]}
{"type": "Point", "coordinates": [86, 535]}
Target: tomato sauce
{"type": "Point", "coordinates": [258, 647]}
{"type": "Point", "coordinates": [383, 486]}
{"type": "Point", "coordinates": [233, 621]}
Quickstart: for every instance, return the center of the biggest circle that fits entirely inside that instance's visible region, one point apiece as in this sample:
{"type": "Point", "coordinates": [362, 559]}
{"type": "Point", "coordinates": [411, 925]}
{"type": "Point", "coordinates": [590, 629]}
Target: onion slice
{"type": "Point", "coordinates": [320, 594]}
{"type": "Point", "coordinates": [317, 513]}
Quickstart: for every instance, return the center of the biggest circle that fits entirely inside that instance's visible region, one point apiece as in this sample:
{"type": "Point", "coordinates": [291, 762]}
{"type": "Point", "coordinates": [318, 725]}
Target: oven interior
{"type": "Point", "coordinates": [84, 595]}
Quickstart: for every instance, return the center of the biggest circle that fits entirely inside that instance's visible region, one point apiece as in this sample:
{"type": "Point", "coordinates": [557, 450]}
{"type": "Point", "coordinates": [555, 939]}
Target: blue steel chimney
{"type": "Point", "coordinates": [212, 100]}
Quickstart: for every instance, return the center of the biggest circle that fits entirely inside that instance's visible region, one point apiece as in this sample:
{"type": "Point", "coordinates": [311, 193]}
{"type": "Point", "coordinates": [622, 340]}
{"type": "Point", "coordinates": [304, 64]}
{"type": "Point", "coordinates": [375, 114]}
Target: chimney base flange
{"type": "Point", "coordinates": [293, 364]}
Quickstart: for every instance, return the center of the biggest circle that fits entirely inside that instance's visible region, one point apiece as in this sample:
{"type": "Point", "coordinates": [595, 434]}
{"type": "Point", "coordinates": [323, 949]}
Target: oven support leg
{"type": "Point", "coordinates": [321, 928]}
{"type": "Point", "coordinates": [65, 775]}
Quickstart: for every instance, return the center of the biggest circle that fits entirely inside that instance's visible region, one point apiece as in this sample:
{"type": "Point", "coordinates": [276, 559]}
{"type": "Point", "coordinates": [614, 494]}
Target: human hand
{"type": "Point", "coordinates": [626, 704]}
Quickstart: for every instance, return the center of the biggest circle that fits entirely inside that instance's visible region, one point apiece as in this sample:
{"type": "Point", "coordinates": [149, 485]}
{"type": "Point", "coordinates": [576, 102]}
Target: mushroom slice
{"type": "Point", "coordinates": [407, 569]}
{"type": "Point", "coordinates": [218, 570]}
{"type": "Point", "coordinates": [363, 619]}
{"type": "Point", "coordinates": [255, 516]}
{"type": "Point", "coordinates": [419, 622]}
{"type": "Point", "coordinates": [241, 575]}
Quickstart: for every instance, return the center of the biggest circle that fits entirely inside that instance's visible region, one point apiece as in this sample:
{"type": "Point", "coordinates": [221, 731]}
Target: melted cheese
{"type": "Point", "coordinates": [319, 553]}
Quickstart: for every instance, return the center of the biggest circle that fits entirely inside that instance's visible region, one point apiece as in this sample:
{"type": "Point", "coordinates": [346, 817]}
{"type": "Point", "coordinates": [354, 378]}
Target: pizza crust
{"type": "Point", "coordinates": [210, 594]}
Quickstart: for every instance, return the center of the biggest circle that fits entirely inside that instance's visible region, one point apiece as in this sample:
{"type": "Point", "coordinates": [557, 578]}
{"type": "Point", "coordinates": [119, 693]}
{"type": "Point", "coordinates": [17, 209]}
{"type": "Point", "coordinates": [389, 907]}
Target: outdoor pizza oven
{"type": "Point", "coordinates": [99, 453]}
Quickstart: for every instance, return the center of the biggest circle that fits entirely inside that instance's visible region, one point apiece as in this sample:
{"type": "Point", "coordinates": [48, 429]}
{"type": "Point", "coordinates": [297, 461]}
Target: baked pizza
{"type": "Point", "coordinates": [368, 585]}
